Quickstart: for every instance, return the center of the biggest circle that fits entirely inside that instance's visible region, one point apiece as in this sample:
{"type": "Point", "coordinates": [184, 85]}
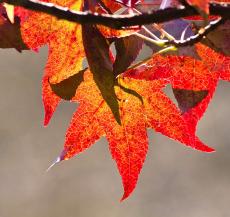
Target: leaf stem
{"type": "Point", "coordinates": [160, 43]}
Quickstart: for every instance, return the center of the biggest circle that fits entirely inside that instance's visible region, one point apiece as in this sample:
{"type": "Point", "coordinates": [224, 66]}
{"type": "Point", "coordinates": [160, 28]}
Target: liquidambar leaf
{"type": "Point", "coordinates": [128, 141]}
{"type": "Point", "coordinates": [66, 50]}
{"type": "Point", "coordinates": [186, 73]}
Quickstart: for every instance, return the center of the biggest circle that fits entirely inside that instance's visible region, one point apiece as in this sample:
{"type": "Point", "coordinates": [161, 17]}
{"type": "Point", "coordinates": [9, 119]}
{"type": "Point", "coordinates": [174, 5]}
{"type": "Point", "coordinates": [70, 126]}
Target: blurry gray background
{"type": "Point", "coordinates": [176, 181]}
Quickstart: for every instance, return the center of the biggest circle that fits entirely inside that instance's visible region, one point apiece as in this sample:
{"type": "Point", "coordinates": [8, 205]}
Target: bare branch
{"type": "Point", "coordinates": [199, 36]}
{"type": "Point", "coordinates": [118, 21]}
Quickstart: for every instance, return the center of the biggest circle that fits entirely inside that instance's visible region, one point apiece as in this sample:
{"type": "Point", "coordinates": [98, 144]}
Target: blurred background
{"type": "Point", "coordinates": [176, 181]}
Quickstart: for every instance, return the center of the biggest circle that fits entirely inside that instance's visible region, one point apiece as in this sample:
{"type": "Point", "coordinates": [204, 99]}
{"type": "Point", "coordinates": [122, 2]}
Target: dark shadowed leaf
{"type": "Point", "coordinates": [66, 89]}
{"type": "Point", "coordinates": [127, 50]}
{"type": "Point", "coordinates": [90, 5]}
{"type": "Point", "coordinates": [10, 34]}
{"type": "Point", "coordinates": [99, 60]}
{"type": "Point", "coordinates": [219, 39]}
{"type": "Point", "coordinates": [187, 99]}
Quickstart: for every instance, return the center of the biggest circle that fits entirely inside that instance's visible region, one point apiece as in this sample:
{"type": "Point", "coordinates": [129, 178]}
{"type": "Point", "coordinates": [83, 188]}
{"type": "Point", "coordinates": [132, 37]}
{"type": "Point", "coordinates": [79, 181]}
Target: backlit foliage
{"type": "Point", "coordinates": [118, 96]}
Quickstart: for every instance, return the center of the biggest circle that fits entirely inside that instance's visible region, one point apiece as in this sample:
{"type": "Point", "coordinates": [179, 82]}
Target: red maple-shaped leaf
{"type": "Point", "coordinates": [66, 51]}
{"type": "Point", "coordinates": [121, 107]}
{"type": "Point", "coordinates": [142, 104]}
{"type": "Point", "coordinates": [189, 77]}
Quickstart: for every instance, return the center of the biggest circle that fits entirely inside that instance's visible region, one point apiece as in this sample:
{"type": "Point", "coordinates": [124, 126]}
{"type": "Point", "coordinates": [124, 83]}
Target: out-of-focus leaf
{"type": "Point", "coordinates": [127, 50]}
{"type": "Point", "coordinates": [99, 60]}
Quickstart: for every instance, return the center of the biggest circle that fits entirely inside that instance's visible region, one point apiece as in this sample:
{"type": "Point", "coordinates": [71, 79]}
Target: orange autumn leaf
{"type": "Point", "coordinates": [128, 142]}
{"type": "Point", "coordinates": [66, 51]}
{"type": "Point", "coordinates": [204, 75]}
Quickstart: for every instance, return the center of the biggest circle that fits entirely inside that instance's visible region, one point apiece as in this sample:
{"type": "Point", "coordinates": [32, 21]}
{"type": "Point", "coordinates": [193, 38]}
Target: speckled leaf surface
{"type": "Point", "coordinates": [66, 50]}
{"type": "Point", "coordinates": [128, 142]}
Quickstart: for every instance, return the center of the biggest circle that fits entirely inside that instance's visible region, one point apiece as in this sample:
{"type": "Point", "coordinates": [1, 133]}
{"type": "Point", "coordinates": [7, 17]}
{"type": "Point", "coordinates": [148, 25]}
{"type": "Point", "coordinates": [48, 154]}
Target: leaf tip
{"type": "Point", "coordinates": [127, 193]}
{"type": "Point", "coordinates": [48, 115]}
{"type": "Point", "coordinates": [46, 120]}
{"type": "Point", "coordinates": [125, 196]}
{"type": "Point", "coordinates": [60, 158]}
{"type": "Point", "coordinates": [57, 160]}
{"type": "Point", "coordinates": [202, 147]}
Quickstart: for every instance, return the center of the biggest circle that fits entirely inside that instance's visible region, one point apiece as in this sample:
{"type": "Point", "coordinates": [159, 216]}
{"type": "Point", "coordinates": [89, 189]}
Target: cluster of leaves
{"type": "Point", "coordinates": [118, 97]}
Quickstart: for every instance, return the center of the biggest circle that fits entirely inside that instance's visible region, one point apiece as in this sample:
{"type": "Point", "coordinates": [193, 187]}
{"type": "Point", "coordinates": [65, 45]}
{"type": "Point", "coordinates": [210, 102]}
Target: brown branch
{"type": "Point", "coordinates": [199, 36]}
{"type": "Point", "coordinates": [119, 21]}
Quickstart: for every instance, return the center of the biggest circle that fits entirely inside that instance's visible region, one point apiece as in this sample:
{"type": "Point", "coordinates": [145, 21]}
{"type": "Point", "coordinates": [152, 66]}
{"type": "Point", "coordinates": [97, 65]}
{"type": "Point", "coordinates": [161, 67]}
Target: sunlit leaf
{"type": "Point", "coordinates": [101, 66]}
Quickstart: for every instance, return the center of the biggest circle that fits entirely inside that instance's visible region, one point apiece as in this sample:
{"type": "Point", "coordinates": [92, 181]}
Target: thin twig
{"type": "Point", "coordinates": [160, 43]}
{"type": "Point", "coordinates": [199, 36]}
